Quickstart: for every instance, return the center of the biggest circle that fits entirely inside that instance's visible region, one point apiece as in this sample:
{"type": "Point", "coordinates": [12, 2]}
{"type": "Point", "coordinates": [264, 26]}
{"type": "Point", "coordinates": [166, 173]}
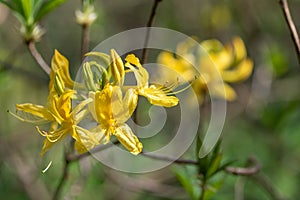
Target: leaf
{"type": "Point", "coordinates": [214, 165]}
{"type": "Point", "coordinates": [27, 9]}
{"type": "Point", "coordinates": [48, 7]}
{"type": "Point", "coordinates": [187, 178]}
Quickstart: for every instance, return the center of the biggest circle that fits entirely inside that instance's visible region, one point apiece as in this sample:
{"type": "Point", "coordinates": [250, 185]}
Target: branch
{"type": "Point", "coordinates": [149, 24]}
{"type": "Point", "coordinates": [169, 159]}
{"type": "Point", "coordinates": [85, 40]}
{"type": "Point", "coordinates": [291, 25]}
{"type": "Point", "coordinates": [253, 169]}
{"type": "Point", "coordinates": [72, 158]}
{"type": "Point", "coordinates": [38, 58]}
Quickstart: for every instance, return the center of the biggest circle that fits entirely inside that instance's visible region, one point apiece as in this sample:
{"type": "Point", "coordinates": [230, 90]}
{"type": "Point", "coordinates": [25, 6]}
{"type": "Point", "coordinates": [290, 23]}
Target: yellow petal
{"type": "Point", "coordinates": [223, 91]}
{"type": "Point", "coordinates": [131, 58]}
{"type": "Point", "coordinates": [128, 139]}
{"type": "Point", "coordinates": [117, 67]}
{"type": "Point", "coordinates": [60, 64]}
{"type": "Point", "coordinates": [129, 104]}
{"type": "Point", "coordinates": [239, 73]}
{"type": "Point", "coordinates": [181, 66]}
{"type": "Point", "coordinates": [103, 105]}
{"type": "Point", "coordinates": [158, 97]}
{"type": "Point", "coordinates": [141, 74]}
{"type": "Point", "coordinates": [86, 140]}
{"type": "Point", "coordinates": [239, 48]}
{"type": "Point", "coordinates": [52, 138]}
{"type": "Point", "coordinates": [91, 106]}
{"type": "Point", "coordinates": [60, 106]}
{"type": "Point", "coordinates": [36, 110]}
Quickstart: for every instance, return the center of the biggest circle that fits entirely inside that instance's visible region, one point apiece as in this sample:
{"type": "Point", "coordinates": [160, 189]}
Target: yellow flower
{"type": "Point", "coordinates": [217, 64]}
{"type": "Point", "coordinates": [111, 111]}
{"type": "Point", "coordinates": [63, 120]}
{"type": "Point", "coordinates": [155, 95]}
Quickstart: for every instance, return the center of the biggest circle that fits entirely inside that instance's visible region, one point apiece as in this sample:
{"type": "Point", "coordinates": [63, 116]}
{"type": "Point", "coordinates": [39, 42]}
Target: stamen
{"type": "Point", "coordinates": [48, 166]}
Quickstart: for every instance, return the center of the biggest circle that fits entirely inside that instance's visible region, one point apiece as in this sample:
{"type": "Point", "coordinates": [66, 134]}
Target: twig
{"type": "Point", "coordinates": [291, 25]}
{"type": "Point", "coordinates": [149, 24]}
{"type": "Point", "coordinates": [245, 171]}
{"type": "Point", "coordinates": [72, 158]}
{"type": "Point", "coordinates": [85, 40]}
{"type": "Point", "coordinates": [169, 159]}
{"type": "Point", "coordinates": [240, 171]}
{"type": "Point", "coordinates": [38, 58]}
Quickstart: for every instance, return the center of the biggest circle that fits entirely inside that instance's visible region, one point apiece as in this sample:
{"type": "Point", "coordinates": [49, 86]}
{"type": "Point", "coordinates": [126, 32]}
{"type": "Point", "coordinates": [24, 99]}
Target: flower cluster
{"type": "Point", "coordinates": [213, 63]}
{"type": "Point", "coordinates": [102, 97]}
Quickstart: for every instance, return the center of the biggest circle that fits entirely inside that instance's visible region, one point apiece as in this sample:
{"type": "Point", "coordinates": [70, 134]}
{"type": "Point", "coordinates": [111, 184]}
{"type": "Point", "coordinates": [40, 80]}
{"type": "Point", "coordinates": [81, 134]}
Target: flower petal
{"type": "Point", "coordinates": [36, 110]}
{"type": "Point", "coordinates": [239, 73]}
{"type": "Point", "coordinates": [117, 67]}
{"type": "Point", "coordinates": [128, 139]}
{"type": "Point", "coordinates": [158, 97]}
{"type": "Point", "coordinates": [60, 64]}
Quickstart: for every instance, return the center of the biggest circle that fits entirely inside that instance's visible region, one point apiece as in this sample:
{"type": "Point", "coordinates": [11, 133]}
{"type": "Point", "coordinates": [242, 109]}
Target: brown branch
{"type": "Point", "coordinates": [253, 169]}
{"type": "Point", "coordinates": [38, 58]}
{"type": "Point", "coordinates": [291, 25]}
{"type": "Point", "coordinates": [85, 40]}
{"type": "Point", "coordinates": [149, 24]}
{"type": "Point", "coordinates": [169, 159]}
{"type": "Point", "coordinates": [72, 158]}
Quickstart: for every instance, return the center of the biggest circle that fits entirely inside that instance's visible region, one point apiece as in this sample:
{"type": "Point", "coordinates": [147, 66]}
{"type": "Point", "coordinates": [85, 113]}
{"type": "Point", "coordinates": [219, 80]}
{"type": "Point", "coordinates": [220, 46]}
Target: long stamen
{"type": "Point", "coordinates": [48, 166]}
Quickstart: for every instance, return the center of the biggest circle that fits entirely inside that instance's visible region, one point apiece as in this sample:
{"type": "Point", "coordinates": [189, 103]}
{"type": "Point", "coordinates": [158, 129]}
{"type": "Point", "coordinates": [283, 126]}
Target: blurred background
{"type": "Point", "coordinates": [263, 121]}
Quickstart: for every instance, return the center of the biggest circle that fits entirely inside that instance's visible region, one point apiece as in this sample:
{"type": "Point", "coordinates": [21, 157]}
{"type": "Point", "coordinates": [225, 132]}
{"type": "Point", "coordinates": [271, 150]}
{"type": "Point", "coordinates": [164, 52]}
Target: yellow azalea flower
{"type": "Point", "coordinates": [111, 111]}
{"type": "Point", "coordinates": [60, 68]}
{"type": "Point", "coordinates": [155, 95]}
{"type": "Point", "coordinates": [229, 62]}
{"type": "Point", "coordinates": [63, 121]}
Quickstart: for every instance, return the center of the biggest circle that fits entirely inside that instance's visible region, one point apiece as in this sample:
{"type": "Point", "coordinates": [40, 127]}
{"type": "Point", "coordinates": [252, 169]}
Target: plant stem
{"type": "Point", "coordinates": [291, 25]}
{"type": "Point", "coordinates": [203, 188]}
{"type": "Point", "coordinates": [149, 24]}
{"type": "Point", "coordinates": [85, 40]}
{"type": "Point", "coordinates": [38, 58]}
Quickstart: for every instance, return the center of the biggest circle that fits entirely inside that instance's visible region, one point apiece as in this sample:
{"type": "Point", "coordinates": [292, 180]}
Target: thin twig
{"type": "Point", "coordinates": [85, 40]}
{"type": "Point", "coordinates": [38, 58]}
{"type": "Point", "coordinates": [240, 171]}
{"type": "Point", "coordinates": [149, 24]}
{"type": "Point", "coordinates": [72, 158]}
{"type": "Point", "coordinates": [169, 159]}
{"type": "Point", "coordinates": [253, 169]}
{"type": "Point", "coordinates": [291, 25]}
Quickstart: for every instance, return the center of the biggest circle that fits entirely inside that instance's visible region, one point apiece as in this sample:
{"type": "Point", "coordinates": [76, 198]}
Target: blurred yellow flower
{"type": "Point", "coordinates": [155, 95]}
{"type": "Point", "coordinates": [215, 65]}
{"type": "Point", "coordinates": [111, 111]}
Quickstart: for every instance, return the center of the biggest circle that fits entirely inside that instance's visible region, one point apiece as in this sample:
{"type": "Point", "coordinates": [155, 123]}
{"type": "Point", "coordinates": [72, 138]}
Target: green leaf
{"type": "Point", "coordinates": [214, 165]}
{"type": "Point", "coordinates": [187, 178]}
{"type": "Point", "coordinates": [48, 7]}
{"type": "Point", "coordinates": [27, 8]}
